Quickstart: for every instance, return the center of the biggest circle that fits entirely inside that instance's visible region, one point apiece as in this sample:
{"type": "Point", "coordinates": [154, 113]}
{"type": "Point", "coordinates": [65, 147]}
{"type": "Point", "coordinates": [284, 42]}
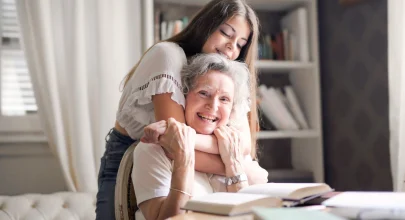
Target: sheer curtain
{"type": "Point", "coordinates": [396, 75]}
{"type": "Point", "coordinates": [78, 51]}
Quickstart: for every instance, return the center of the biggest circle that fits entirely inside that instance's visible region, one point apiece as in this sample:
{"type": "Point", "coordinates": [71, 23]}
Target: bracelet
{"type": "Point", "coordinates": [181, 191]}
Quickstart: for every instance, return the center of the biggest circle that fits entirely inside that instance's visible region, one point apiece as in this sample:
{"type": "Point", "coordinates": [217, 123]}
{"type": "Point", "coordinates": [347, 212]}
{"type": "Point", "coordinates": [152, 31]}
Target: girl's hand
{"type": "Point", "coordinates": [152, 132]}
{"type": "Point", "coordinates": [229, 146]}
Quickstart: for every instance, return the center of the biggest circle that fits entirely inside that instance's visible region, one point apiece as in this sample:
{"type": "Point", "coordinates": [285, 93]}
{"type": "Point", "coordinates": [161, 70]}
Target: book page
{"type": "Point", "coordinates": [283, 190]}
{"type": "Point", "coordinates": [227, 198]}
{"type": "Point", "coordinates": [230, 203]}
{"type": "Point", "coordinates": [368, 200]}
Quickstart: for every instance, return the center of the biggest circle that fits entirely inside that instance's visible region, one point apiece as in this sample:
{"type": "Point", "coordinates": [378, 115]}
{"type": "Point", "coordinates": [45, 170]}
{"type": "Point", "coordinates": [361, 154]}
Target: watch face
{"type": "Point", "coordinates": [235, 179]}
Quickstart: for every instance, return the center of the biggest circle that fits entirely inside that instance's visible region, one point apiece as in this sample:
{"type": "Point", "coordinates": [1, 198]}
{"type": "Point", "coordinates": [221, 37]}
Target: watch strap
{"type": "Point", "coordinates": [236, 179]}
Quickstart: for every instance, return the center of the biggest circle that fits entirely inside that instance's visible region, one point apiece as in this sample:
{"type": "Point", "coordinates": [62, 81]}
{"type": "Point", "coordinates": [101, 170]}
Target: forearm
{"type": "Point", "coordinates": [207, 144]}
{"type": "Point", "coordinates": [182, 180]}
{"type": "Point", "coordinates": [209, 163]}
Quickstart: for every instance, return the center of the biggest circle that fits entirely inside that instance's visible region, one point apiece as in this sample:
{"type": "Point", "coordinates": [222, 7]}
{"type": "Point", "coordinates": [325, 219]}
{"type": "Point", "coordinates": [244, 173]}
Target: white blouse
{"type": "Point", "coordinates": [158, 72]}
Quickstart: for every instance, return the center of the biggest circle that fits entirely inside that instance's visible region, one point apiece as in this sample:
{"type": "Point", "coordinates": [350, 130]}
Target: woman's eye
{"type": "Point", "coordinates": [203, 93]}
{"type": "Point", "coordinates": [225, 99]}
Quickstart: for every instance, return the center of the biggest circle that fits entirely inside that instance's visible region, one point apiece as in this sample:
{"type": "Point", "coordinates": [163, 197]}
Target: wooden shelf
{"type": "Point", "coordinates": [306, 145]}
{"type": "Point", "coordinates": [268, 5]}
{"type": "Point", "coordinates": [287, 134]}
{"type": "Point", "coordinates": [283, 65]}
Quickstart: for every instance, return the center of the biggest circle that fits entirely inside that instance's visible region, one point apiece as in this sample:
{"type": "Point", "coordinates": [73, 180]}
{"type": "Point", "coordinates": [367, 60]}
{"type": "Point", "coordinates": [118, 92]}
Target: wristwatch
{"type": "Point", "coordinates": [235, 179]}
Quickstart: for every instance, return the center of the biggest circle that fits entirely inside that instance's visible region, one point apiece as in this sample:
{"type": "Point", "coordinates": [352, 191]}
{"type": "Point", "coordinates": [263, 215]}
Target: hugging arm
{"type": "Point", "coordinates": [163, 188]}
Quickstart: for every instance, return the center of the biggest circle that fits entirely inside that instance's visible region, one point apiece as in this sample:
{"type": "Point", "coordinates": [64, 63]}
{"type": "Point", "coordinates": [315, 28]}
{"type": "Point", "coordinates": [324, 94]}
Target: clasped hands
{"type": "Point", "coordinates": [169, 134]}
{"type": "Point", "coordinates": [178, 139]}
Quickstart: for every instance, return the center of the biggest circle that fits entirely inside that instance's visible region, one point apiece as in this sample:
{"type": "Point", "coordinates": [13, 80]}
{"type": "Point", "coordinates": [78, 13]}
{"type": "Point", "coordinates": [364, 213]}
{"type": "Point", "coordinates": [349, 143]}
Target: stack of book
{"type": "Point", "coordinates": [281, 107]}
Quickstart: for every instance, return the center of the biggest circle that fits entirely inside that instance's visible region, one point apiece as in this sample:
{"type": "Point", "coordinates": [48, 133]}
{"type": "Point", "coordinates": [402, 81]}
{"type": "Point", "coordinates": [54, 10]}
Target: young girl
{"type": "Point", "coordinates": [153, 92]}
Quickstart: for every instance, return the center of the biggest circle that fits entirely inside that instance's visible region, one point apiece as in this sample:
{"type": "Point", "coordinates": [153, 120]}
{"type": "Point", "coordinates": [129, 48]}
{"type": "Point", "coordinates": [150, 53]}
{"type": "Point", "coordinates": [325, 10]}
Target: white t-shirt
{"type": "Point", "coordinates": [158, 72]}
{"type": "Point", "coordinates": [152, 173]}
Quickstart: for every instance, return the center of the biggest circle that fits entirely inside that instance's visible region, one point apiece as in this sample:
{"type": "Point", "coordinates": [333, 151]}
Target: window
{"type": "Point", "coordinates": [18, 109]}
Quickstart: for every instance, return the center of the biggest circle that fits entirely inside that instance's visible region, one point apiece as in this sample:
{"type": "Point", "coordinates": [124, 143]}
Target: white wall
{"type": "Point", "coordinates": [29, 168]}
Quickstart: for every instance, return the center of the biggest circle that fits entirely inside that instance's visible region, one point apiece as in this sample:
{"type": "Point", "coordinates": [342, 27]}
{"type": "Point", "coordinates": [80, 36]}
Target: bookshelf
{"type": "Point", "coordinates": [307, 144]}
{"type": "Point", "coordinates": [287, 134]}
{"type": "Point", "coordinates": [277, 66]}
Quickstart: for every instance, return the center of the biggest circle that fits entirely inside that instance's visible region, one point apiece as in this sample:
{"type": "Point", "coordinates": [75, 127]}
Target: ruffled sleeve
{"type": "Point", "coordinates": [157, 73]}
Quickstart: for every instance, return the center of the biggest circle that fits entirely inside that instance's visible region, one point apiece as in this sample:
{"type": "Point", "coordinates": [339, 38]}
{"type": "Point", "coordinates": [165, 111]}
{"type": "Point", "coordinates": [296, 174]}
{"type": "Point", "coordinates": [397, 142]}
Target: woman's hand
{"type": "Point", "coordinates": [181, 142]}
{"type": "Point", "coordinates": [229, 145]}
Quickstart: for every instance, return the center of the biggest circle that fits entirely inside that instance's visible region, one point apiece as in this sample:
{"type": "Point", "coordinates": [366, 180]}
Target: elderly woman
{"type": "Point", "coordinates": [217, 94]}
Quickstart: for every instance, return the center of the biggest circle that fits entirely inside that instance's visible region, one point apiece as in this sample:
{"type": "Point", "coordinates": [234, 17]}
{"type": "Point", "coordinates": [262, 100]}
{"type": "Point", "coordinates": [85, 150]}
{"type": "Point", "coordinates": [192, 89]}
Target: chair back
{"type": "Point", "coordinates": [125, 200]}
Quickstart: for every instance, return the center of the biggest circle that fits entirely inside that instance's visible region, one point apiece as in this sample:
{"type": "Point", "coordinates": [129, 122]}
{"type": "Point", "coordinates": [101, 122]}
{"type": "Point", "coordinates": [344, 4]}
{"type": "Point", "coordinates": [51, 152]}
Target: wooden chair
{"type": "Point", "coordinates": [125, 200]}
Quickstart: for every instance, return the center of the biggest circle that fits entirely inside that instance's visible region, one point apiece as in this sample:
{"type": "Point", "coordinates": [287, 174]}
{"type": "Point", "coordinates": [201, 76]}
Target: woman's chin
{"type": "Point", "coordinates": [205, 130]}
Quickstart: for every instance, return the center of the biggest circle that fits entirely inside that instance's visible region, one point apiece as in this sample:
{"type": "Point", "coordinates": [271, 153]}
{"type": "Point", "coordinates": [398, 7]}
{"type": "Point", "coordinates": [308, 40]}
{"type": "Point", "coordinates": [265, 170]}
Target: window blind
{"type": "Point", "coordinates": [17, 96]}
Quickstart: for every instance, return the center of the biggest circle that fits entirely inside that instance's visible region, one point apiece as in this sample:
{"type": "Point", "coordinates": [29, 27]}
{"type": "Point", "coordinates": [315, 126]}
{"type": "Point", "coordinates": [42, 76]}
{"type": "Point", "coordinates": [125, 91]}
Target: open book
{"type": "Point", "coordinates": [265, 195]}
{"type": "Point", "coordinates": [368, 205]}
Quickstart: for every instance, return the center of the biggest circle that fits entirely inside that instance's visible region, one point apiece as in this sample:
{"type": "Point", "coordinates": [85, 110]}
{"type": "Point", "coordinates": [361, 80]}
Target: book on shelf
{"type": "Point", "coordinates": [283, 110]}
{"type": "Point", "coordinates": [164, 29]}
{"type": "Point", "coordinates": [291, 41]}
{"type": "Point", "coordinates": [264, 195]}
{"type": "Point", "coordinates": [271, 47]}
{"type": "Point", "coordinates": [368, 205]}
{"type": "Point", "coordinates": [295, 107]}
{"type": "Point", "coordinates": [295, 24]}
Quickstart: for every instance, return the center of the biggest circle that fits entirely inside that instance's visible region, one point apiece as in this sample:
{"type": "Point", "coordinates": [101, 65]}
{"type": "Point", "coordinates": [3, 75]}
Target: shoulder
{"type": "Point", "coordinates": [164, 56]}
{"type": "Point", "coordinates": [150, 153]}
{"type": "Point", "coordinates": [167, 49]}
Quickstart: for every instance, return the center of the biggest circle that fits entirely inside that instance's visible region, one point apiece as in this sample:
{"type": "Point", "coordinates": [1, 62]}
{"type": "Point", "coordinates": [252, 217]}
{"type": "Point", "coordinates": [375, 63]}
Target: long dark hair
{"type": "Point", "coordinates": [193, 37]}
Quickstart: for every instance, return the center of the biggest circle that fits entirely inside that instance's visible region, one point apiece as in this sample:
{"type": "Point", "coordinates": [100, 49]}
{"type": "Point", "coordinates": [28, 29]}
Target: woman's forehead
{"type": "Point", "coordinates": [215, 81]}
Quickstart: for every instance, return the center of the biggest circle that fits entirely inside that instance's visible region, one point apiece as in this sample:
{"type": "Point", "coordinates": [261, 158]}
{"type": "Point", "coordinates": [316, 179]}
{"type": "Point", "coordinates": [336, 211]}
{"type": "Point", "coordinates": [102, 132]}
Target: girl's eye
{"type": "Point", "coordinates": [224, 33]}
{"type": "Point", "coordinates": [240, 45]}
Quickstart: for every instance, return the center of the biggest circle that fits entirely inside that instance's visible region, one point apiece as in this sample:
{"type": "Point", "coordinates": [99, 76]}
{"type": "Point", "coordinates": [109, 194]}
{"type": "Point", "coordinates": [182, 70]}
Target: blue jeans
{"type": "Point", "coordinates": [116, 145]}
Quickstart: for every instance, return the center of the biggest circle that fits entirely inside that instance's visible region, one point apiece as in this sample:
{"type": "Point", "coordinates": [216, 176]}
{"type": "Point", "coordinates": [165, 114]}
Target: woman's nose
{"type": "Point", "coordinates": [212, 104]}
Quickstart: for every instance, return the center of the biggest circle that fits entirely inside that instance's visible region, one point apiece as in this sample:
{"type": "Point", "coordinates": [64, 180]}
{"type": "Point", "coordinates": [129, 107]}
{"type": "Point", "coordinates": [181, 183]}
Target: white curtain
{"type": "Point", "coordinates": [396, 75]}
{"type": "Point", "coordinates": [78, 51]}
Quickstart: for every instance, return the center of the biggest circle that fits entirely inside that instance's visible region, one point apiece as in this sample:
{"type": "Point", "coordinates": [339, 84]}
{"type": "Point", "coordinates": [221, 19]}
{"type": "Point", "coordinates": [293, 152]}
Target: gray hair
{"type": "Point", "coordinates": [201, 64]}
